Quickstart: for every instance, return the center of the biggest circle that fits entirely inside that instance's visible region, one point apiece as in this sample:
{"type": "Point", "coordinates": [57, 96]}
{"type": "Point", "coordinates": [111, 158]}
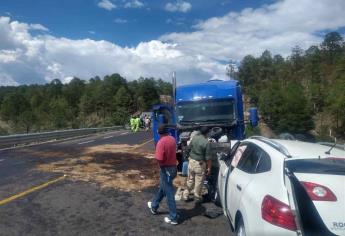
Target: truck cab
{"type": "Point", "coordinates": [215, 103]}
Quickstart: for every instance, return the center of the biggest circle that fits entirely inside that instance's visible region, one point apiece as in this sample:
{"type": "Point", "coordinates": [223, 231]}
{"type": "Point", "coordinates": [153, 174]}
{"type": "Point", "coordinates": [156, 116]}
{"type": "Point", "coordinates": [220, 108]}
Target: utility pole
{"type": "Point", "coordinates": [230, 70]}
{"type": "Point", "coordinates": [174, 86]}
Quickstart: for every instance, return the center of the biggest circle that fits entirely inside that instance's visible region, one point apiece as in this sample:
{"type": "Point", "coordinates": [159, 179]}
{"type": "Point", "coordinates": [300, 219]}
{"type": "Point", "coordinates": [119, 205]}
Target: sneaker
{"type": "Point", "coordinates": [153, 211]}
{"type": "Point", "coordinates": [169, 221]}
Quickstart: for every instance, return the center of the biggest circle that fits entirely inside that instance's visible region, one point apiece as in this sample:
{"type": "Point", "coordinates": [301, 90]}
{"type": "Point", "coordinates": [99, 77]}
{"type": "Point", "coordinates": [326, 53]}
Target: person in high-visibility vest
{"type": "Point", "coordinates": [132, 123]}
{"type": "Point", "coordinates": [137, 124]}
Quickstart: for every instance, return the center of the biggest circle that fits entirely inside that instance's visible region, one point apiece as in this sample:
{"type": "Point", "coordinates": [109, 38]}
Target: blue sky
{"type": "Point", "coordinates": [77, 19]}
{"type": "Point", "coordinates": [41, 40]}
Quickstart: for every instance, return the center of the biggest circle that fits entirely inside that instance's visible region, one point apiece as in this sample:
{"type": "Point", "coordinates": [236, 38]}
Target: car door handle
{"type": "Point", "coordinates": [238, 187]}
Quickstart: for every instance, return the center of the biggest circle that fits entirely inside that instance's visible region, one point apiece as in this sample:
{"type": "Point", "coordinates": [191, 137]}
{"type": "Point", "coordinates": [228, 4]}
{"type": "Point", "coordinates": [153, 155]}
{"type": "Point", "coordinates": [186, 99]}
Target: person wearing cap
{"type": "Point", "coordinates": [199, 165]}
{"type": "Point", "coordinates": [166, 156]}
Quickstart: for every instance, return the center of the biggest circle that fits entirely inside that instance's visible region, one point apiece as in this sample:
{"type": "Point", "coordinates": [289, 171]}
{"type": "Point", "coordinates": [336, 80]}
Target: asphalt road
{"type": "Point", "coordinates": [78, 207]}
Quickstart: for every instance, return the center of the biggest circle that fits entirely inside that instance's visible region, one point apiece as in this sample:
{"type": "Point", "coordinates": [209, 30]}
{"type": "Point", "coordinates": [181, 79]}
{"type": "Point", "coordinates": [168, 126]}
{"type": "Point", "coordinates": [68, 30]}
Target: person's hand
{"type": "Point", "coordinates": [208, 171]}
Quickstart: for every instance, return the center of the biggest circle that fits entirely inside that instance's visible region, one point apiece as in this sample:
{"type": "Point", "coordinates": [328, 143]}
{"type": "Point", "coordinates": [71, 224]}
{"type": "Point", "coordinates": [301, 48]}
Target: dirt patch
{"type": "Point", "coordinates": [180, 181]}
{"type": "Point", "coordinates": [117, 166]}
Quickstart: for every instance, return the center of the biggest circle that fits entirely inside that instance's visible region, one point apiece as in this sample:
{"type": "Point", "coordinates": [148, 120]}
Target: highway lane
{"type": "Point", "coordinates": [17, 166]}
{"type": "Point", "coordinates": [114, 137]}
{"type": "Point", "coordinates": [111, 137]}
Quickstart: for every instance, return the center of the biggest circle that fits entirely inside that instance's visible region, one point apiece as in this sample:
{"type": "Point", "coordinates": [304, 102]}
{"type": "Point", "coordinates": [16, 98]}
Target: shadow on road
{"type": "Point", "coordinates": [186, 214]}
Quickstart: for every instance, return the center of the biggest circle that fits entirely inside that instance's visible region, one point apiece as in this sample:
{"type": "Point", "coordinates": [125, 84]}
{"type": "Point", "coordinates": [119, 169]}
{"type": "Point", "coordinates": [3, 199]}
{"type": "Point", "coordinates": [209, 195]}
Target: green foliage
{"type": "Point", "coordinates": [251, 131]}
{"type": "Point", "coordinates": [60, 113]}
{"type": "Point", "coordinates": [13, 106]}
{"type": "Point", "coordinates": [120, 116]}
{"type": "Point", "coordinates": [289, 92]}
{"type": "Point", "coordinates": [147, 93]}
{"type": "Point", "coordinates": [77, 104]}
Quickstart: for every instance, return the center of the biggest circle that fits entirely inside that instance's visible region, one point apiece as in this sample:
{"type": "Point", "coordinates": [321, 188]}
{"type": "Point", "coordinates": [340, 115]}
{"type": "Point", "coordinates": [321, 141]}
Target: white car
{"type": "Point", "coordinates": [283, 187]}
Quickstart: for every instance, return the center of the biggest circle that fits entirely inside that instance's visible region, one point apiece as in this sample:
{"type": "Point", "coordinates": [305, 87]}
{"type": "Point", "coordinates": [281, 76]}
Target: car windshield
{"type": "Point", "coordinates": [205, 111]}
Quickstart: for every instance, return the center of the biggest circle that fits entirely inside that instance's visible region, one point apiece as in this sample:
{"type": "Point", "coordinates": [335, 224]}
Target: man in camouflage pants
{"type": "Point", "coordinates": [199, 165]}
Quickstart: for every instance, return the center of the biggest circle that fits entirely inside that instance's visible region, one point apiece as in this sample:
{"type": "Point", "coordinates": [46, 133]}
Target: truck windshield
{"type": "Point", "coordinates": [205, 111]}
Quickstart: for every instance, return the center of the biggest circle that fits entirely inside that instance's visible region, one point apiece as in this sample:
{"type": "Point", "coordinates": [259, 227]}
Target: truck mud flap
{"type": "Point", "coordinates": [307, 217]}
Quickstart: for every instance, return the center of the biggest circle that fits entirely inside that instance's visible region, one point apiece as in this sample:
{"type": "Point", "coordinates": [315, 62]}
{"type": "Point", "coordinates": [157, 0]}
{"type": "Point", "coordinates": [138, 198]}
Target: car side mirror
{"type": "Point", "coordinates": [253, 116]}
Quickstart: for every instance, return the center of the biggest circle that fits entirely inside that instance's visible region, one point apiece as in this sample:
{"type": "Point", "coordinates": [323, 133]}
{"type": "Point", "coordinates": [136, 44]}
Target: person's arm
{"type": "Point", "coordinates": [188, 149]}
{"type": "Point", "coordinates": [209, 165]}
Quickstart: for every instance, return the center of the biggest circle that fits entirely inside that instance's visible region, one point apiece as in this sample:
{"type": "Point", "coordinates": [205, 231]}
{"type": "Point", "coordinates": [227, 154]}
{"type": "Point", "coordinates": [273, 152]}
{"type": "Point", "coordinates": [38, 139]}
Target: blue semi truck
{"type": "Point", "coordinates": [217, 104]}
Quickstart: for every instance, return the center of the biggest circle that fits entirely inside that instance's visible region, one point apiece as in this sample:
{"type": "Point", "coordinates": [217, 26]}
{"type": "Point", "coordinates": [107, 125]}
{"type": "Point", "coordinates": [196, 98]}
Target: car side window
{"type": "Point", "coordinates": [264, 163]}
{"type": "Point", "coordinates": [249, 160]}
{"type": "Point", "coordinates": [254, 160]}
{"type": "Point", "coordinates": [237, 156]}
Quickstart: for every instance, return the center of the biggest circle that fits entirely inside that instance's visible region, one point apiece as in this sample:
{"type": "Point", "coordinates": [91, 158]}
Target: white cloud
{"type": "Point", "coordinates": [179, 6]}
{"type": "Point", "coordinates": [106, 4]}
{"type": "Point", "coordinates": [38, 27]}
{"type": "Point", "coordinates": [8, 56]}
{"type": "Point", "coordinates": [134, 4]}
{"type": "Point", "coordinates": [277, 27]}
{"type": "Point", "coordinates": [38, 59]}
{"type": "Point", "coordinates": [178, 21]}
{"type": "Point", "coordinates": [195, 56]}
{"type": "Point", "coordinates": [120, 21]}
{"type": "Point", "coordinates": [91, 32]}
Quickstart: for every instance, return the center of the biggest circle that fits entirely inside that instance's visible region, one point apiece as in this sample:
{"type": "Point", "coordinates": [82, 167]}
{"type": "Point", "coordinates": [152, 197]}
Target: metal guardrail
{"type": "Point", "coordinates": [22, 139]}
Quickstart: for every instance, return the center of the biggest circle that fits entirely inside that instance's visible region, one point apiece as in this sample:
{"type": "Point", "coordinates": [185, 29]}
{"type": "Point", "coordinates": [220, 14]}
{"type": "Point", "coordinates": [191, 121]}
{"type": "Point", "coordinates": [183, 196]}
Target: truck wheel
{"type": "Point", "coordinates": [240, 229]}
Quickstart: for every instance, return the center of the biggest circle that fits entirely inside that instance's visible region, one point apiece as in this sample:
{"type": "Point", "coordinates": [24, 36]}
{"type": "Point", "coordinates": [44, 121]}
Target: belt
{"type": "Point", "coordinates": [200, 162]}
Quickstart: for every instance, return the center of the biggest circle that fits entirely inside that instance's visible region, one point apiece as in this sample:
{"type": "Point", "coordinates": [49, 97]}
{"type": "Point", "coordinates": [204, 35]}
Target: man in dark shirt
{"type": "Point", "coordinates": [166, 157]}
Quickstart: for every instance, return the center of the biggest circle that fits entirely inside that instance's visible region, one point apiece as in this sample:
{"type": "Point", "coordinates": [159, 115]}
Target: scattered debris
{"type": "Point", "coordinates": [116, 166]}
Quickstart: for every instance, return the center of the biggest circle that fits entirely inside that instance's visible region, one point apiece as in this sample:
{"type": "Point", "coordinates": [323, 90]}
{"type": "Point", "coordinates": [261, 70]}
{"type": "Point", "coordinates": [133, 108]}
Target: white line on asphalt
{"type": "Point", "coordinates": [124, 133]}
{"type": "Point", "coordinates": [106, 137]}
{"type": "Point", "coordinates": [1, 160]}
{"type": "Point", "coordinates": [90, 141]}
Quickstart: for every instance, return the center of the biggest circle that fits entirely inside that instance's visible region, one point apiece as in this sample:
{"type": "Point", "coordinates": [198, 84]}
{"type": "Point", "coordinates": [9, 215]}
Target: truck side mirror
{"type": "Point", "coordinates": [253, 116]}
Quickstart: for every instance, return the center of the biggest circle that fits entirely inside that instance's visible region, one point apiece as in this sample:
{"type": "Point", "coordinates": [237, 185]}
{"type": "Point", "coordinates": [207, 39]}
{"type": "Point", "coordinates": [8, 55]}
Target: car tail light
{"type": "Point", "coordinates": [277, 213]}
{"type": "Point", "coordinates": [318, 192]}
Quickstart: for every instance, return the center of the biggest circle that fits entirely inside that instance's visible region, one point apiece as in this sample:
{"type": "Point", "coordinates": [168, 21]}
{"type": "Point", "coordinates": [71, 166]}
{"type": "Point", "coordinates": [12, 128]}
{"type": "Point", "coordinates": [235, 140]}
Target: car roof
{"type": "Point", "coordinates": [305, 150]}
{"type": "Point", "coordinates": [299, 149]}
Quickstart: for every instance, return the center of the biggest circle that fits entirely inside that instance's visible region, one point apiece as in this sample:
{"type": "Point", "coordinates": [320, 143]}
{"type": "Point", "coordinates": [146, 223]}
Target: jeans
{"type": "Point", "coordinates": [166, 188]}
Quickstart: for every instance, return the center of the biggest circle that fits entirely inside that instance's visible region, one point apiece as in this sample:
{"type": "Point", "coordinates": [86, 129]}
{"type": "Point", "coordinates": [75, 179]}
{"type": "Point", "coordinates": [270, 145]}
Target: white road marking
{"type": "Point", "coordinates": [1, 160]}
{"type": "Point", "coordinates": [106, 137]}
{"type": "Point", "coordinates": [124, 133]}
{"type": "Point", "coordinates": [90, 141]}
